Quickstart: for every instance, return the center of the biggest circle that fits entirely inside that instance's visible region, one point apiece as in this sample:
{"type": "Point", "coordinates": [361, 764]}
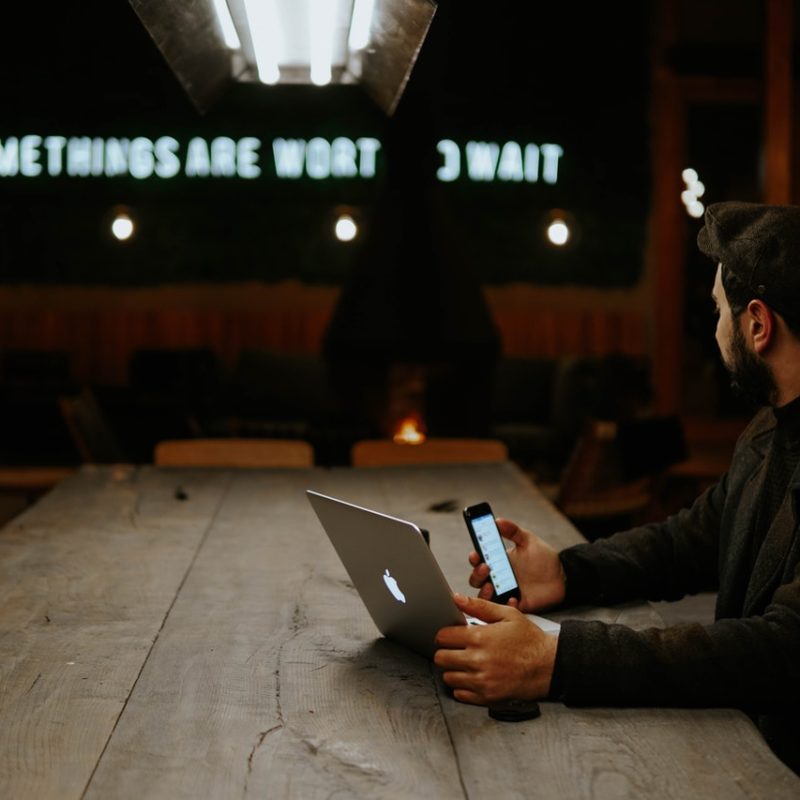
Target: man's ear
{"type": "Point", "coordinates": [760, 324]}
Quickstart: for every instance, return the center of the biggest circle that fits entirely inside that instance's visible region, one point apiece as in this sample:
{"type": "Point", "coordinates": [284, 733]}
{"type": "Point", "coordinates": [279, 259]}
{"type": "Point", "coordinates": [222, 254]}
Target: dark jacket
{"type": "Point", "coordinates": [749, 658]}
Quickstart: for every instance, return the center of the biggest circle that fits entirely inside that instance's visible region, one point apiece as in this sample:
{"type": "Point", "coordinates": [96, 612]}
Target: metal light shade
{"type": "Point", "coordinates": [209, 44]}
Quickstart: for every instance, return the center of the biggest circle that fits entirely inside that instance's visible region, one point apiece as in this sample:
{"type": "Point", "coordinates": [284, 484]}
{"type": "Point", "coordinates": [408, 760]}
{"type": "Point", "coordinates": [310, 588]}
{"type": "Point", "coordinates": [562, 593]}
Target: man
{"type": "Point", "coordinates": [740, 537]}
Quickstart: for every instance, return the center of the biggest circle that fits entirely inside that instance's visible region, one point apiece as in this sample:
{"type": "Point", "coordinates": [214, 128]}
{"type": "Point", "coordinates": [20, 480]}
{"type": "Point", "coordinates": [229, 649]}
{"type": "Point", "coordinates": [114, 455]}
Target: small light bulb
{"type": "Point", "coordinates": [122, 227]}
{"type": "Point", "coordinates": [346, 228]}
{"type": "Point", "coordinates": [696, 209]}
{"type": "Point", "coordinates": [697, 188]}
{"type": "Point", "coordinates": [558, 232]}
{"type": "Point", "coordinates": [689, 175]}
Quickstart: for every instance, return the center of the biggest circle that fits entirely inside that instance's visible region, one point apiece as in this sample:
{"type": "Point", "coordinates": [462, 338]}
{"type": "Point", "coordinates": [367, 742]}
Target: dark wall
{"type": "Point", "coordinates": [570, 73]}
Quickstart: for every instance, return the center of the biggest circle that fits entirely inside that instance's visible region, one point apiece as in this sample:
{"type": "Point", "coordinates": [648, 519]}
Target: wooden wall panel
{"type": "Point", "coordinates": [101, 331]}
{"type": "Point", "coordinates": [550, 333]}
{"type": "Point", "coordinates": [101, 343]}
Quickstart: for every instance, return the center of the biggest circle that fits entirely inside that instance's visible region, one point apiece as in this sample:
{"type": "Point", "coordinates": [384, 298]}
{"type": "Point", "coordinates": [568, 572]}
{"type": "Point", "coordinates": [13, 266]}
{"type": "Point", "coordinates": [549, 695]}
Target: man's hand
{"type": "Point", "coordinates": [511, 658]}
{"type": "Point", "coordinates": [536, 565]}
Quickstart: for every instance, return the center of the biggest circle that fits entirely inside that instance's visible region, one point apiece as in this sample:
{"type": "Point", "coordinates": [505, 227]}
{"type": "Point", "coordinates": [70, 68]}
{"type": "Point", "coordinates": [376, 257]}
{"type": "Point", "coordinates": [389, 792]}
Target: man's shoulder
{"type": "Point", "coordinates": [762, 424]}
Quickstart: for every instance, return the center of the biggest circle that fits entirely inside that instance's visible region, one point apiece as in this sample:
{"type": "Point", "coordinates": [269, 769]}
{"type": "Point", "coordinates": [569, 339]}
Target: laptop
{"type": "Point", "coordinates": [393, 570]}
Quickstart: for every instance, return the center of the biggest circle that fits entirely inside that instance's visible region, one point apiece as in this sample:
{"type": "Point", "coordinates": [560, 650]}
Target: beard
{"type": "Point", "coordinates": [750, 375]}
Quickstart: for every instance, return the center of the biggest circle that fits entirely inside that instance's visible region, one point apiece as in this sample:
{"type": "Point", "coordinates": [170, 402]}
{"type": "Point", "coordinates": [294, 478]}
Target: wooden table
{"type": "Point", "coordinates": [211, 646]}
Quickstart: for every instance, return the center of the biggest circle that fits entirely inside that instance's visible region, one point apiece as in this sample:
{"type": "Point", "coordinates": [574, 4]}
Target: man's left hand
{"type": "Point", "coordinates": [510, 658]}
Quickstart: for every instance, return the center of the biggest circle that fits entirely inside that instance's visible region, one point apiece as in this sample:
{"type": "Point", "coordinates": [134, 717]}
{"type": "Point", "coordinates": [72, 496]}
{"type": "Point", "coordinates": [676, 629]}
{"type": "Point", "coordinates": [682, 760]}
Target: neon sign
{"type": "Point", "coordinates": [222, 157]}
{"type": "Point", "coordinates": [489, 161]}
{"type": "Point", "coordinates": [33, 156]}
{"type": "Point", "coordinates": [320, 159]}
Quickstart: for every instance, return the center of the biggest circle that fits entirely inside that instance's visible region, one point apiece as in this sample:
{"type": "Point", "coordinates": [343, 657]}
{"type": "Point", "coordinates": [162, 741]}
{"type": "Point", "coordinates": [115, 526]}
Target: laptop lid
{"type": "Point", "coordinates": [393, 570]}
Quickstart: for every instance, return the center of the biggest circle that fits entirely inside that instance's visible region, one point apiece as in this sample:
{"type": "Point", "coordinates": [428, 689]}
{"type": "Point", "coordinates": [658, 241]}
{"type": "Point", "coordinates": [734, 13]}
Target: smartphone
{"type": "Point", "coordinates": [489, 543]}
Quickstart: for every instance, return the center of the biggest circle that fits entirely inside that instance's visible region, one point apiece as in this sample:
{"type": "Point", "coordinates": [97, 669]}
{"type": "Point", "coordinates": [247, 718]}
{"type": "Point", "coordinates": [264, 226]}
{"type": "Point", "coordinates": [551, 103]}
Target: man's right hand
{"type": "Point", "coordinates": [536, 565]}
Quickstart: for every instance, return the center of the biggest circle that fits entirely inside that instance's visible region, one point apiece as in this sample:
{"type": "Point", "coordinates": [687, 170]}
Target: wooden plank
{"type": "Point", "coordinates": [387, 452]}
{"type": "Point", "coordinates": [613, 753]}
{"type": "Point", "coordinates": [668, 248]}
{"type": "Point", "coordinates": [267, 679]}
{"type": "Point", "coordinates": [230, 452]}
{"type": "Point", "coordinates": [32, 479]}
{"type": "Point", "coordinates": [666, 251]}
{"type": "Point", "coordinates": [86, 579]}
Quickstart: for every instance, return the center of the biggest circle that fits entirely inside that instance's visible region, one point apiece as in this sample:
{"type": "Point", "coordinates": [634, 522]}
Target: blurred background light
{"type": "Point", "coordinates": [122, 226]}
{"type": "Point", "coordinates": [690, 196]}
{"type": "Point", "coordinates": [695, 209]}
{"type": "Point", "coordinates": [558, 232]}
{"type": "Point", "coordinates": [346, 228]}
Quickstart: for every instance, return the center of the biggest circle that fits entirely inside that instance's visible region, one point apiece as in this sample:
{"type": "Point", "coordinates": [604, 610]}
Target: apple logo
{"type": "Point", "coordinates": [391, 584]}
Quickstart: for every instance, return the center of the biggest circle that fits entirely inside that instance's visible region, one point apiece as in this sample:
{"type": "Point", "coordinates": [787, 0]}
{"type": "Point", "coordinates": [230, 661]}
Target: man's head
{"type": "Point", "coordinates": [750, 373]}
{"type": "Point", "coordinates": [757, 249]}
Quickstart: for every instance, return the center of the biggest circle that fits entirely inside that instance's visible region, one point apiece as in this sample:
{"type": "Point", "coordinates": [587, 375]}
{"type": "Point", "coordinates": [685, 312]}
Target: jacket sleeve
{"type": "Point", "coordinates": [742, 663]}
{"type": "Point", "coordinates": [663, 561]}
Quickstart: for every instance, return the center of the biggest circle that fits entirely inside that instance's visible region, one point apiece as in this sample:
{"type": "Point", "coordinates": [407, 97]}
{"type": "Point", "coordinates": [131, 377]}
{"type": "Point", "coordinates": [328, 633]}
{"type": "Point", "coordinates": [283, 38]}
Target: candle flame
{"type": "Point", "coordinates": [409, 431]}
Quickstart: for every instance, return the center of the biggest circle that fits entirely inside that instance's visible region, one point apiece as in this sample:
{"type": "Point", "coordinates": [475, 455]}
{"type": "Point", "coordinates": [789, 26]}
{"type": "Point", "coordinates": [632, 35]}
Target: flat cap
{"type": "Point", "coordinates": [760, 244]}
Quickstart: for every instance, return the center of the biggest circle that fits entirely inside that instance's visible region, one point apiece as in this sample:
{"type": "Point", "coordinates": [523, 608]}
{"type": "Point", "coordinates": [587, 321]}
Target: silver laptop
{"type": "Point", "coordinates": [393, 570]}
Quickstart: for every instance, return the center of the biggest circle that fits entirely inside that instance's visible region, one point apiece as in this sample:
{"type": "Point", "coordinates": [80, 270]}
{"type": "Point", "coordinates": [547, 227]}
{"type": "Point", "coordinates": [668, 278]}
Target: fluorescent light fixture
{"type": "Point", "coordinates": [322, 23]}
{"type": "Point", "coordinates": [361, 24]}
{"type": "Point", "coordinates": [262, 19]}
{"type": "Point", "coordinates": [292, 43]}
{"type": "Point", "coordinates": [226, 23]}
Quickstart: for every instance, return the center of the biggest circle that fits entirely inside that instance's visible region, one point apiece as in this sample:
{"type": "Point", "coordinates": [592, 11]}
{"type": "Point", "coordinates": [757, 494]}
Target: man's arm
{"type": "Point", "coordinates": [663, 561]}
{"type": "Point", "coordinates": [656, 562]}
{"type": "Point", "coordinates": [743, 663]}
{"type": "Point", "coordinates": [735, 663]}
{"type": "Point", "coordinates": [668, 560]}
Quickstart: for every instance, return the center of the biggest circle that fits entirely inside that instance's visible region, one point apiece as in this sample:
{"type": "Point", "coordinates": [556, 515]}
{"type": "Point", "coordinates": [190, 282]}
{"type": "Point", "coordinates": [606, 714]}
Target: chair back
{"type": "Point", "coordinates": [614, 477]}
{"type": "Point", "coordinates": [90, 430]}
{"type": "Point", "coordinates": [385, 452]}
{"type": "Point", "coordinates": [242, 453]}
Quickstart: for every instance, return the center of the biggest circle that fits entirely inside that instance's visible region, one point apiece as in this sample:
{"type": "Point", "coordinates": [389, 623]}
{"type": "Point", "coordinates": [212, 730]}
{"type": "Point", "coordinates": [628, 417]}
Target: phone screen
{"type": "Point", "coordinates": [490, 544]}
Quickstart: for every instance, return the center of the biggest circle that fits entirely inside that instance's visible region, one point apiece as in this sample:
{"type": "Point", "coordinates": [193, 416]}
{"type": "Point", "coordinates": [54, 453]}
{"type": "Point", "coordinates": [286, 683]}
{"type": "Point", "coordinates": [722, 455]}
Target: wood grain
{"type": "Point", "coordinates": [214, 647]}
{"type": "Point", "coordinates": [101, 327]}
{"type": "Point", "coordinates": [267, 679]}
{"type": "Point", "coordinates": [230, 452]}
{"type": "Point", "coordinates": [86, 579]}
{"type": "Point", "coordinates": [386, 452]}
